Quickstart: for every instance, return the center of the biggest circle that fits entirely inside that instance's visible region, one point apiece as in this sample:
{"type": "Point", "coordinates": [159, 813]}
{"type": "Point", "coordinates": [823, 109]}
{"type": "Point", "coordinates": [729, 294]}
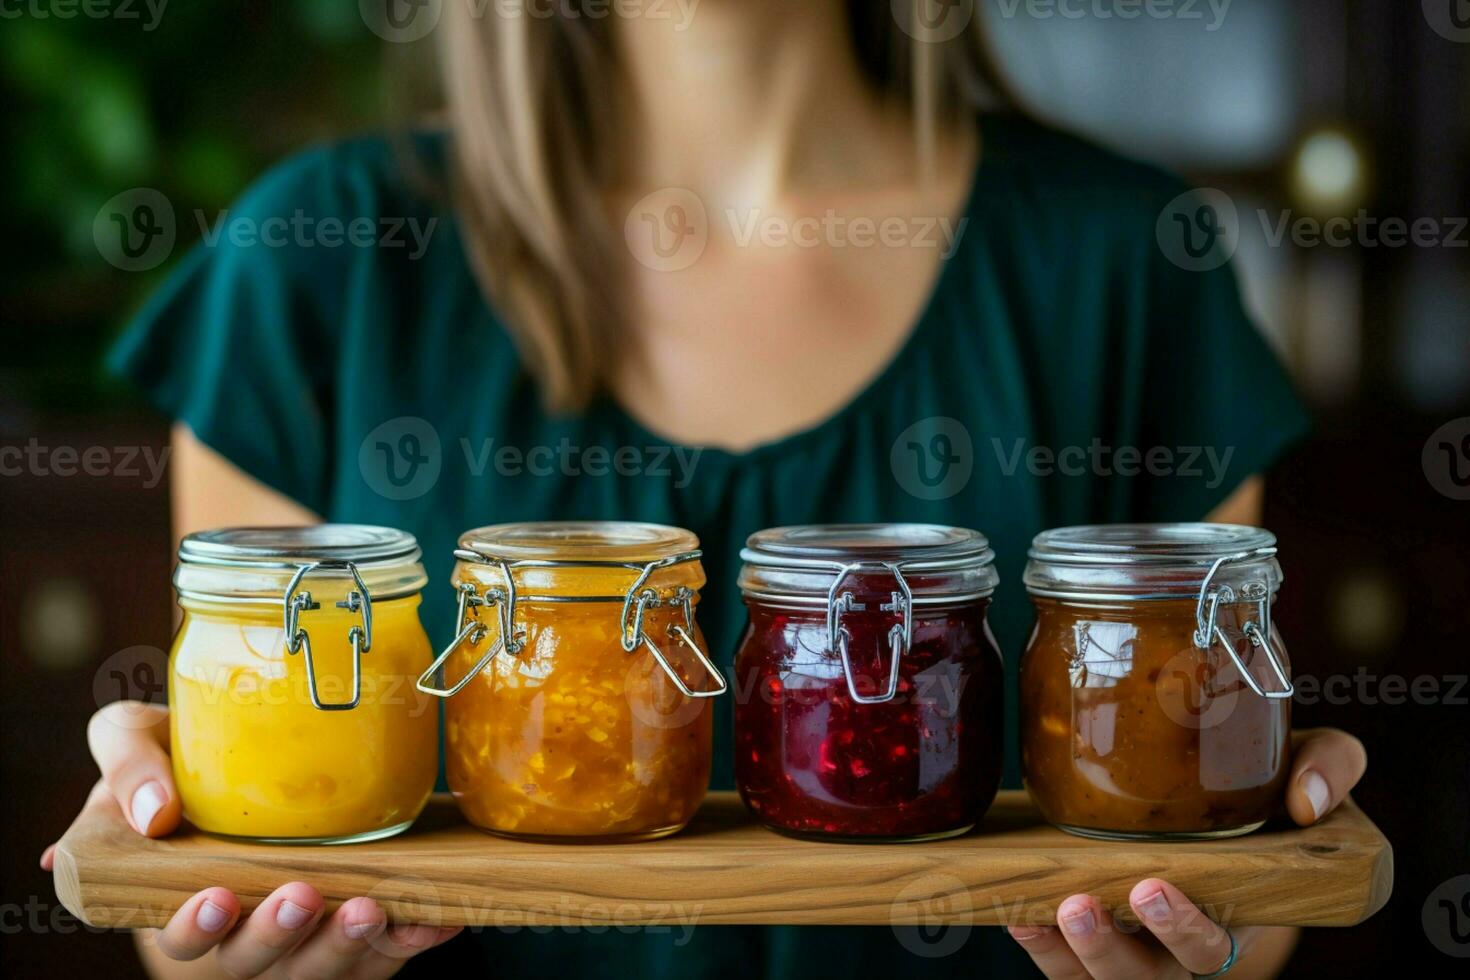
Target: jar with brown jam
{"type": "Point", "coordinates": [868, 684]}
{"type": "Point", "coordinates": [1155, 692]}
{"type": "Point", "coordinates": [578, 684]}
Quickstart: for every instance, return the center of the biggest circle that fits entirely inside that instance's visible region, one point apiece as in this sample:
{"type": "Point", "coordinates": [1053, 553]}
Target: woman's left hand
{"type": "Point", "coordinates": [1177, 940]}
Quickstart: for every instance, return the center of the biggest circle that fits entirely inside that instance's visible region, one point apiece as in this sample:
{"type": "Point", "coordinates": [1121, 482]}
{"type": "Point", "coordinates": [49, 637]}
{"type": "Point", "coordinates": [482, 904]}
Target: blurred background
{"type": "Point", "coordinates": [1299, 110]}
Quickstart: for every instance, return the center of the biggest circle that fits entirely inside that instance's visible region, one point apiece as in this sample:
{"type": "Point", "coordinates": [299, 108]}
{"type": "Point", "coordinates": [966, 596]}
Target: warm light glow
{"type": "Point", "coordinates": [1329, 172]}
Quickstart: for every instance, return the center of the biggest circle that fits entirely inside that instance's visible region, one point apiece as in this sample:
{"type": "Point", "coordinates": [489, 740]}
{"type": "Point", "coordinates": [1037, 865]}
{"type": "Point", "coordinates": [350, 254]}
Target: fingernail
{"type": "Point", "coordinates": [147, 801]}
{"type": "Point", "coordinates": [1022, 934]}
{"type": "Point", "coordinates": [361, 930]}
{"type": "Point", "coordinates": [1080, 923]}
{"type": "Point", "coordinates": [210, 917]}
{"type": "Point", "coordinates": [1155, 907]}
{"type": "Point", "coordinates": [1317, 792]}
{"type": "Point", "coordinates": [292, 916]}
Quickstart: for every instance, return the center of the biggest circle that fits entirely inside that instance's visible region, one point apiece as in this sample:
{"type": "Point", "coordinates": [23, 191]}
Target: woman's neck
{"type": "Point", "coordinates": [751, 100]}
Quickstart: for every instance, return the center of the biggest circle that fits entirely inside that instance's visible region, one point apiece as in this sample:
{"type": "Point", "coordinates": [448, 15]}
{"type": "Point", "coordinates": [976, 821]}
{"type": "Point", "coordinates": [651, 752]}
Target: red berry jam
{"type": "Point", "coordinates": [814, 760]}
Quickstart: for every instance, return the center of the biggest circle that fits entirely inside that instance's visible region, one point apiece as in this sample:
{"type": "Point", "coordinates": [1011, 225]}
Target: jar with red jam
{"type": "Point", "coordinates": [1155, 691]}
{"type": "Point", "coordinates": [868, 684]}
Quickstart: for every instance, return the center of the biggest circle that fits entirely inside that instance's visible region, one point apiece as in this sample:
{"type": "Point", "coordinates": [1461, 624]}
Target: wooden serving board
{"type": "Point", "coordinates": [726, 869]}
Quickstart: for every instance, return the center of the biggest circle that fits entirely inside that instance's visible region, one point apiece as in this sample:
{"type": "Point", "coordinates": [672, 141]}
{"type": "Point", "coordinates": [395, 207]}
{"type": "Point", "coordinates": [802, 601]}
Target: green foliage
{"type": "Point", "coordinates": [193, 102]}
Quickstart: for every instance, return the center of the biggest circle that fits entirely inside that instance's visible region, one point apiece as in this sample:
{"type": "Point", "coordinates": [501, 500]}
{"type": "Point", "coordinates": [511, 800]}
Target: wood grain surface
{"type": "Point", "coordinates": [726, 869]}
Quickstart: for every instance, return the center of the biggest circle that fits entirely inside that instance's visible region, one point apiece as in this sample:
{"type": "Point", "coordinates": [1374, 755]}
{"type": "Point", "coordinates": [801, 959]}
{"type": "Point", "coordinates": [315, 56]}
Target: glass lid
{"type": "Point", "coordinates": [801, 563]}
{"type": "Point", "coordinates": [585, 559]}
{"type": "Point", "coordinates": [260, 562]}
{"type": "Point", "coordinates": [1149, 561]}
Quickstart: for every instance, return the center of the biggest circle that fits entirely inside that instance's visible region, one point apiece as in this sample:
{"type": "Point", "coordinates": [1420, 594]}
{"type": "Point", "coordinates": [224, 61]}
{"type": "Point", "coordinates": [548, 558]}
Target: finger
{"type": "Point", "coordinates": [1106, 952]}
{"type": "Point", "coordinates": [276, 927]}
{"type": "Point", "coordinates": [1050, 952]}
{"type": "Point", "coordinates": [129, 741]}
{"type": "Point", "coordinates": [1199, 944]}
{"type": "Point", "coordinates": [48, 858]}
{"type": "Point", "coordinates": [339, 943]}
{"type": "Point", "coordinates": [395, 946]}
{"type": "Point", "coordinates": [199, 925]}
{"type": "Point", "coordinates": [1326, 765]}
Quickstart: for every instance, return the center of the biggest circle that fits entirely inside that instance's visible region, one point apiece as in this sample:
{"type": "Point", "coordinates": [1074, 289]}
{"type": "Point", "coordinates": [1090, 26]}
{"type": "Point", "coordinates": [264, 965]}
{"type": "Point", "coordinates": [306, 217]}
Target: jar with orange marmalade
{"type": "Point", "coordinates": [578, 684]}
{"type": "Point", "coordinates": [1155, 692]}
{"type": "Point", "coordinates": [292, 711]}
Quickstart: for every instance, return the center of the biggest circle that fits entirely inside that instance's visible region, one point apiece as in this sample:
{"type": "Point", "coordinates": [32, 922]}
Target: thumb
{"type": "Point", "coordinates": [129, 742]}
{"type": "Point", "coordinates": [1326, 765]}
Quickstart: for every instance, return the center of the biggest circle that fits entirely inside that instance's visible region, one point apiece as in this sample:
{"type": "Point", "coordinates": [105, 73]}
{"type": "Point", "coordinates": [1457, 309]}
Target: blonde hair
{"type": "Point", "coordinates": [533, 107]}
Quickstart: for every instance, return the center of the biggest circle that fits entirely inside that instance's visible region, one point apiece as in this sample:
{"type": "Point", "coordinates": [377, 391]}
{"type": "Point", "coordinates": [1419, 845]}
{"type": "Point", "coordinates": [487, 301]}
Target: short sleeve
{"type": "Point", "coordinates": [1216, 404]}
{"type": "Point", "coordinates": [236, 343]}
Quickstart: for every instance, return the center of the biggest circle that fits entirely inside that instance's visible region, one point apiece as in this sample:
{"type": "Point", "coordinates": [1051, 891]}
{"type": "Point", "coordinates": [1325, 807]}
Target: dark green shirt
{"type": "Point", "coordinates": [1064, 371]}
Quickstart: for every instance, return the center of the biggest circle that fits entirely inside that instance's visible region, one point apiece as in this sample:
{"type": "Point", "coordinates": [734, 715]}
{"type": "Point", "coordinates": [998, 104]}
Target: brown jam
{"type": "Point", "coordinates": [1129, 727]}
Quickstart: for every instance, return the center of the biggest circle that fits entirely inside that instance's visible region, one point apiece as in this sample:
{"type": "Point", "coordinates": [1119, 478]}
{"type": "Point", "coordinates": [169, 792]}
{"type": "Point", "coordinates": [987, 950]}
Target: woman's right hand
{"type": "Point", "coordinates": [287, 934]}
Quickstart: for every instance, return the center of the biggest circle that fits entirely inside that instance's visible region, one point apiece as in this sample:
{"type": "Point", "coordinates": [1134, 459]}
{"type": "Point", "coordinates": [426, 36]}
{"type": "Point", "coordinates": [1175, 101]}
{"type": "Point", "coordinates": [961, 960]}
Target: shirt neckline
{"type": "Point", "coordinates": [918, 337]}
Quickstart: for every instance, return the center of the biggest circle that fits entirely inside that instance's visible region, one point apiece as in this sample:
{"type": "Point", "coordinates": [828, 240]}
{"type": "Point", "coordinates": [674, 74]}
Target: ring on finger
{"type": "Point", "coordinates": [1229, 960]}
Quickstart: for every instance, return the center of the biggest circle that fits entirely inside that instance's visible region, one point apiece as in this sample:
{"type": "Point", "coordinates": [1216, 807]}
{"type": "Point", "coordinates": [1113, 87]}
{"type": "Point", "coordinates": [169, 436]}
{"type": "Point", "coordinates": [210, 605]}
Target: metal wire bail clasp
{"type": "Point", "coordinates": [470, 629]}
{"type": "Point", "coordinates": [638, 600]}
{"type": "Point", "coordinates": [900, 636]}
{"type": "Point", "coordinates": [1258, 631]}
{"type": "Point", "coordinates": [297, 600]}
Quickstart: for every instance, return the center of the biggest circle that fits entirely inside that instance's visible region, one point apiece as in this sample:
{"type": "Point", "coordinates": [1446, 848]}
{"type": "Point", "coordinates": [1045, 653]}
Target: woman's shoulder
{"type": "Point", "coordinates": [1055, 174]}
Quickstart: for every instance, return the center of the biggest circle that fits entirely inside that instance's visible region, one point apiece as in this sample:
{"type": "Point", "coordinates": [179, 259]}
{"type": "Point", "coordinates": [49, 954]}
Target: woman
{"type": "Point", "coordinates": [575, 297]}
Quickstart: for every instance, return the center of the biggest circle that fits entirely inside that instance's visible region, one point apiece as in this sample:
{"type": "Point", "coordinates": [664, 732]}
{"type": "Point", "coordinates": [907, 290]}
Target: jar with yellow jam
{"type": "Point", "coordinates": [578, 683]}
{"type": "Point", "coordinates": [294, 716]}
{"type": "Point", "coordinates": [1155, 691]}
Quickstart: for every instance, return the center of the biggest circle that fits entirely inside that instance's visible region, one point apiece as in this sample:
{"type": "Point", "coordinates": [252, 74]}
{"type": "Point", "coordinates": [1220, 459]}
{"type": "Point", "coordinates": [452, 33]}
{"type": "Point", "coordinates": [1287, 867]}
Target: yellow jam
{"type": "Point", "coordinates": [253, 757]}
{"type": "Point", "coordinates": [573, 737]}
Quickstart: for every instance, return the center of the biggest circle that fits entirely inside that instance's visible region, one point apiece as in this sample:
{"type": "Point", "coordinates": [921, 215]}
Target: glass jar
{"type": "Point", "coordinates": [580, 711]}
{"type": "Point", "coordinates": [869, 686]}
{"type": "Point", "coordinates": [293, 715]}
{"type": "Point", "coordinates": [1155, 692]}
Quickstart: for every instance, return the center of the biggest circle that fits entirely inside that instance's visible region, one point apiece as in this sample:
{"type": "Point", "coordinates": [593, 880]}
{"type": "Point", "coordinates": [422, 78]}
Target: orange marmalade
{"type": "Point", "coordinates": [577, 685]}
